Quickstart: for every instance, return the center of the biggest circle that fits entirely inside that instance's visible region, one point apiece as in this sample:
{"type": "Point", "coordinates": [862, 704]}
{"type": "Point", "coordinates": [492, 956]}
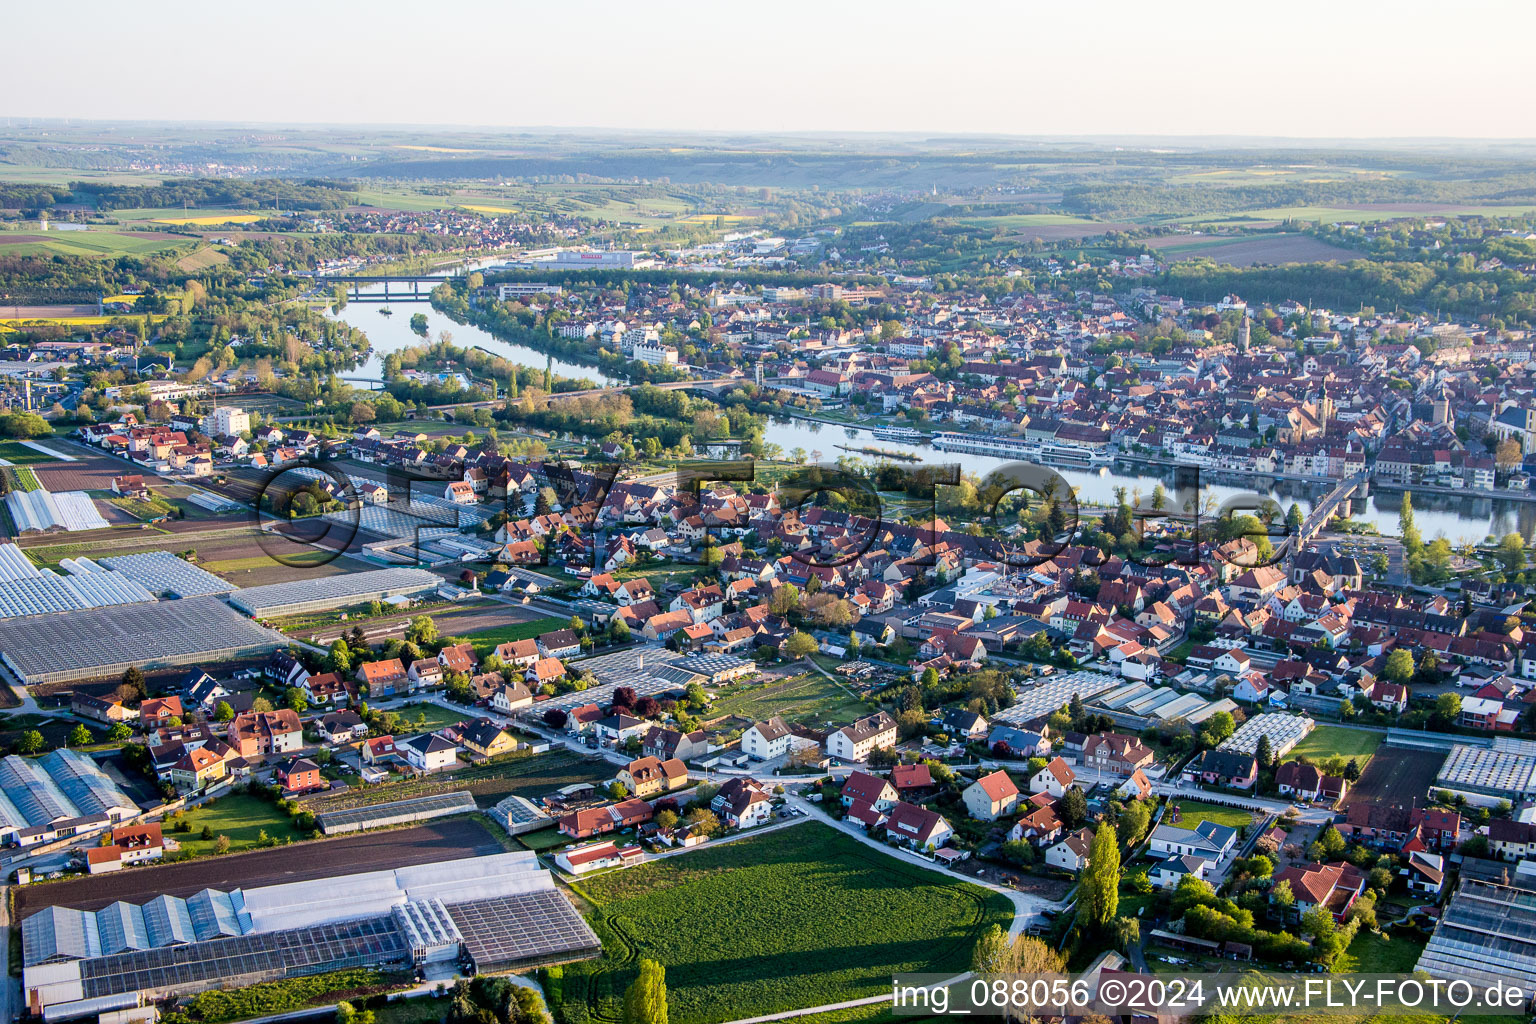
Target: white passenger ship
{"type": "Point", "coordinates": [1021, 448]}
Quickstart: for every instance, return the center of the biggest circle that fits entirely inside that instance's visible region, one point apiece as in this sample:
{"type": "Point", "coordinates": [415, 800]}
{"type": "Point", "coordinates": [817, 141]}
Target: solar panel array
{"type": "Point", "coordinates": [509, 932]}
{"type": "Point", "coordinates": [396, 812]}
{"type": "Point", "coordinates": [104, 641]}
{"type": "Point", "coordinates": [337, 590]}
{"type": "Point", "coordinates": [166, 573]}
{"type": "Point", "coordinates": [374, 942]}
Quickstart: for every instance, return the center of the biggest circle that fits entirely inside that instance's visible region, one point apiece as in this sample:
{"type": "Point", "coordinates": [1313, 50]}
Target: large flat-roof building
{"type": "Point", "coordinates": [1486, 935]}
{"type": "Point", "coordinates": [299, 596]}
{"type": "Point", "coordinates": [495, 913]}
{"type": "Point", "coordinates": [1487, 775]}
{"type": "Point", "coordinates": [97, 642]}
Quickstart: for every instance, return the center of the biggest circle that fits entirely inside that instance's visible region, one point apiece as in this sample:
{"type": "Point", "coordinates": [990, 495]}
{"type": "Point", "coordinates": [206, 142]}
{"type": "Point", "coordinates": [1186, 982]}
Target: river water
{"type": "Point", "coordinates": [1457, 519]}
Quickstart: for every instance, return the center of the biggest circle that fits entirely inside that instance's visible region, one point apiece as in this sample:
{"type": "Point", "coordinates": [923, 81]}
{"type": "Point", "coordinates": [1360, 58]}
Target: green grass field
{"type": "Point", "coordinates": [241, 817]}
{"type": "Point", "coordinates": [154, 508]}
{"type": "Point", "coordinates": [1332, 741]}
{"type": "Point", "coordinates": [808, 698]}
{"type": "Point", "coordinates": [799, 917]}
{"type": "Point", "coordinates": [487, 640]}
{"type": "Point", "coordinates": [436, 716]}
{"type": "Point", "coordinates": [1192, 812]}
{"type": "Point", "coordinates": [90, 243]}
{"type": "Point", "coordinates": [19, 454]}
{"type": "Point", "coordinates": [1341, 214]}
{"type": "Point", "coordinates": [1380, 954]}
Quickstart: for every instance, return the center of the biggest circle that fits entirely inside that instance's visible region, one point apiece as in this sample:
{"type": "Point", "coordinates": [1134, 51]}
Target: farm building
{"type": "Point", "coordinates": [1284, 732]}
{"type": "Point", "coordinates": [96, 642]}
{"type": "Point", "coordinates": [318, 595]}
{"type": "Point", "coordinates": [502, 912]}
{"type": "Point", "coordinates": [58, 795]}
{"type": "Point", "coordinates": [27, 590]}
{"type": "Point", "coordinates": [395, 812]}
{"type": "Point", "coordinates": [1055, 691]}
{"type": "Point", "coordinates": [518, 814]}
{"type": "Point", "coordinates": [165, 573]}
{"type": "Point", "coordinates": [1486, 935]}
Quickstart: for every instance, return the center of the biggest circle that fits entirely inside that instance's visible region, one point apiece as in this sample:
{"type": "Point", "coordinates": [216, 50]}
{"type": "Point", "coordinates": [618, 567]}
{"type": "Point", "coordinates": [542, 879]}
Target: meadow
{"type": "Point", "coordinates": [487, 640]}
{"type": "Point", "coordinates": [811, 698]}
{"type": "Point", "coordinates": [1333, 741]}
{"type": "Point", "coordinates": [799, 917]}
{"type": "Point", "coordinates": [1193, 812]}
{"type": "Point", "coordinates": [239, 816]}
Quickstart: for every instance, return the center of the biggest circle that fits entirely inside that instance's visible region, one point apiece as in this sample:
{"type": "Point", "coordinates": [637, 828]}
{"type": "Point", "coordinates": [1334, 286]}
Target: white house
{"type": "Point", "coordinates": [428, 752]}
{"type": "Point", "coordinates": [1055, 778]}
{"type": "Point", "coordinates": [764, 741]}
{"type": "Point", "coordinates": [1207, 839]}
{"type": "Point", "coordinates": [1071, 854]}
{"type": "Point", "coordinates": [578, 860]}
{"type": "Point", "coordinates": [854, 742]}
{"type": "Point", "coordinates": [1171, 871]}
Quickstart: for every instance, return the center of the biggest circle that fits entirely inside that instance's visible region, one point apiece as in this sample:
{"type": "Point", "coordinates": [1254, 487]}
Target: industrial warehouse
{"type": "Point", "coordinates": [301, 596]}
{"type": "Point", "coordinates": [489, 914]}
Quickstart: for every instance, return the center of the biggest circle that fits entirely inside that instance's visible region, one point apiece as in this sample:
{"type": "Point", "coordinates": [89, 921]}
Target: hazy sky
{"type": "Point", "coordinates": [1353, 68]}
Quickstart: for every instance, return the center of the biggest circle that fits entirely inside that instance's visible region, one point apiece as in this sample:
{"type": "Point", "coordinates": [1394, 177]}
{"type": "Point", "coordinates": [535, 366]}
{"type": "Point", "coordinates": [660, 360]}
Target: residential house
{"type": "Point", "coordinates": [855, 742]}
{"type": "Point", "coordinates": [742, 802]}
{"type": "Point", "coordinates": [428, 752]}
{"type": "Point", "coordinates": [261, 733]}
{"type": "Point", "coordinates": [1071, 854]}
{"type": "Point", "coordinates": [646, 777]}
{"type": "Point", "coordinates": [487, 739]}
{"type": "Point", "coordinates": [874, 790]}
{"type": "Point", "coordinates": [917, 827]}
{"type": "Point", "coordinates": [299, 775]}
{"type": "Point", "coordinates": [1055, 778]}
{"type": "Point", "coordinates": [991, 796]}
{"type": "Point", "coordinates": [1206, 839]}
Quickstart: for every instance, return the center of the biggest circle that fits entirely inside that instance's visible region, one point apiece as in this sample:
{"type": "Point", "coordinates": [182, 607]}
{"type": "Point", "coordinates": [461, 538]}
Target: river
{"type": "Point", "coordinates": [1457, 519]}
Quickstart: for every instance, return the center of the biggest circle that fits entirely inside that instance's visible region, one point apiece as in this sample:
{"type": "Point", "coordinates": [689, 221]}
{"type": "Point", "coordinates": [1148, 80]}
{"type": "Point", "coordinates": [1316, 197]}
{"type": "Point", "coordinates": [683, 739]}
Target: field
{"type": "Point", "coordinates": [1363, 213]}
{"type": "Point", "coordinates": [487, 640]}
{"type": "Point", "coordinates": [798, 917]}
{"type": "Point", "coordinates": [1381, 954]}
{"type": "Point", "coordinates": [20, 478]}
{"type": "Point", "coordinates": [1193, 812]}
{"type": "Point", "coordinates": [240, 817]}
{"type": "Point", "coordinates": [1396, 775]}
{"type": "Point", "coordinates": [371, 851]}
{"type": "Point", "coordinates": [530, 776]}
{"type": "Point", "coordinates": [811, 698]}
{"type": "Point", "coordinates": [153, 508]}
{"type": "Point", "coordinates": [19, 454]}
{"type": "Point", "coordinates": [1246, 251]}
{"type": "Point", "coordinates": [89, 243]}
{"type": "Point", "coordinates": [88, 473]}
{"type": "Point", "coordinates": [55, 730]}
{"type": "Point", "coordinates": [1331, 741]}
